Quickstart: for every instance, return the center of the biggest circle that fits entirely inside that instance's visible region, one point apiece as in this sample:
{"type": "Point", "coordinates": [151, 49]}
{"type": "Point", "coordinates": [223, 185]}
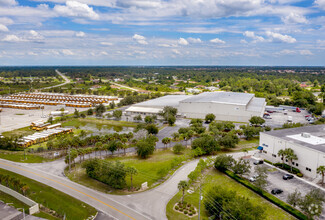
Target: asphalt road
{"type": "Point", "coordinates": [66, 81]}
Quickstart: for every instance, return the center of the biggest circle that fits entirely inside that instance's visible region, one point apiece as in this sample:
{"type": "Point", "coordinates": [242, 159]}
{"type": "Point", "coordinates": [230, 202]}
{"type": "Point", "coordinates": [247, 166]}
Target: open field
{"type": "Point", "coordinates": [54, 199]}
{"type": "Point", "coordinates": [18, 156]}
{"type": "Point", "coordinates": [215, 178]}
{"type": "Point", "coordinates": [12, 201]}
{"type": "Point", "coordinates": [77, 122]}
{"type": "Point", "coordinates": [151, 170]}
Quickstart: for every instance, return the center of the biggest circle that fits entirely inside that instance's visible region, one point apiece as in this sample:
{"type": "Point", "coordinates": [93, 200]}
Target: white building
{"type": "Point", "coordinates": [226, 106]}
{"type": "Point", "coordinates": [307, 142]}
{"type": "Point", "coordinates": [154, 106]}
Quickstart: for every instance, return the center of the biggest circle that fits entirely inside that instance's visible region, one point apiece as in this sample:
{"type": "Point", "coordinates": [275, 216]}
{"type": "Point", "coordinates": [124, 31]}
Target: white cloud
{"type": "Point", "coordinates": [320, 4]}
{"type": "Point", "coordinates": [194, 40]}
{"type": "Point", "coordinates": [286, 52]}
{"type": "Point", "coordinates": [12, 38]}
{"type": "Point", "coordinates": [34, 35]}
{"type": "Point", "coordinates": [217, 41]}
{"type": "Point", "coordinates": [242, 41]}
{"type": "Point", "coordinates": [80, 34]}
{"type": "Point", "coordinates": [251, 34]}
{"type": "Point", "coordinates": [3, 28]}
{"type": "Point", "coordinates": [182, 41]}
{"type": "Point", "coordinates": [8, 2]}
{"type": "Point", "coordinates": [306, 53]}
{"type": "Point", "coordinates": [175, 51]}
{"type": "Point", "coordinates": [321, 42]}
{"type": "Point", "coordinates": [277, 37]}
{"type": "Point", "coordinates": [106, 43]}
{"type": "Point", "coordinates": [67, 52]}
{"type": "Point", "coordinates": [140, 39]}
{"type": "Point", "coordinates": [294, 18]}
{"type": "Point", "coordinates": [76, 9]}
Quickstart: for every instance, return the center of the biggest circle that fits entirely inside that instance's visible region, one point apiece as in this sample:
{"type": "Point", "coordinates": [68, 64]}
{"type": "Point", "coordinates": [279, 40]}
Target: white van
{"type": "Point", "coordinates": [289, 118]}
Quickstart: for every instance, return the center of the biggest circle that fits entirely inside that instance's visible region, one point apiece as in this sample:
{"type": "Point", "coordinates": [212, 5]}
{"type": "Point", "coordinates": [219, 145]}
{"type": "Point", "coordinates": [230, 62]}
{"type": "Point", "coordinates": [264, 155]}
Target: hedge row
{"type": "Point", "coordinates": [296, 213]}
{"type": "Point", "coordinates": [287, 168]}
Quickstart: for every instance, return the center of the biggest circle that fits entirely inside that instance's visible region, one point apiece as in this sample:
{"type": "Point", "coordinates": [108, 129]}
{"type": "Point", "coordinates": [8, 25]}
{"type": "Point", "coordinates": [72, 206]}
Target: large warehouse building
{"type": "Point", "coordinates": [226, 106]}
{"type": "Point", "coordinates": [307, 142]}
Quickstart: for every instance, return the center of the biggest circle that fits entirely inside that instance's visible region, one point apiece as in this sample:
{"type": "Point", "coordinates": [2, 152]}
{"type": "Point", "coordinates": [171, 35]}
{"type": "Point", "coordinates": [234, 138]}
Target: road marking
{"type": "Point", "coordinates": [9, 165]}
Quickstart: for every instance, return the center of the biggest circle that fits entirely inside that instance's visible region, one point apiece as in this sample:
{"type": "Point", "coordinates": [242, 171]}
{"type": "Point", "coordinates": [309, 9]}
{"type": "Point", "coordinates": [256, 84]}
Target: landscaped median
{"type": "Point", "coordinates": [296, 213]}
{"type": "Point", "coordinates": [53, 203]}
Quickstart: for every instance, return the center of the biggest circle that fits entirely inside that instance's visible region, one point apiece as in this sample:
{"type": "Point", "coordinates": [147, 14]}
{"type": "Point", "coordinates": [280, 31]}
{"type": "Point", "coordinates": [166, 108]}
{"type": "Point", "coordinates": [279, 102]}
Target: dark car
{"type": "Point", "coordinates": [276, 191]}
{"type": "Point", "coordinates": [287, 176]}
{"type": "Point", "coordinates": [257, 162]}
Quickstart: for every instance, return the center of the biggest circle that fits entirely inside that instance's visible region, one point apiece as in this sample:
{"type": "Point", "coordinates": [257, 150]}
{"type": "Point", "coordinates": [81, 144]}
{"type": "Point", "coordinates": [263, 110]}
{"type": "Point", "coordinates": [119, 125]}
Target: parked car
{"type": "Point", "coordinates": [276, 191]}
{"type": "Point", "coordinates": [253, 178]}
{"type": "Point", "coordinates": [270, 111]}
{"type": "Point", "coordinates": [287, 176]}
{"type": "Point", "coordinates": [285, 112]}
{"type": "Point", "coordinates": [257, 162]}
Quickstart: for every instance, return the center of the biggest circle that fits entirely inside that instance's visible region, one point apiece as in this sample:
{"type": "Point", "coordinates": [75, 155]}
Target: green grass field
{"type": "Point", "coordinates": [151, 170]}
{"type": "Point", "coordinates": [77, 122]}
{"type": "Point", "coordinates": [216, 178]}
{"type": "Point", "coordinates": [18, 156]}
{"type": "Point", "coordinates": [12, 201]}
{"type": "Point", "coordinates": [19, 132]}
{"type": "Point", "coordinates": [54, 199]}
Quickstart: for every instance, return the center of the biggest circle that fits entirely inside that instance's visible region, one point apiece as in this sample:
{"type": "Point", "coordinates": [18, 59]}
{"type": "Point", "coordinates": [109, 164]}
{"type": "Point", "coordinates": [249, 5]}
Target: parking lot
{"type": "Point", "coordinates": [279, 118]}
{"type": "Point", "coordinates": [275, 180]}
{"type": "Point", "coordinates": [11, 119]}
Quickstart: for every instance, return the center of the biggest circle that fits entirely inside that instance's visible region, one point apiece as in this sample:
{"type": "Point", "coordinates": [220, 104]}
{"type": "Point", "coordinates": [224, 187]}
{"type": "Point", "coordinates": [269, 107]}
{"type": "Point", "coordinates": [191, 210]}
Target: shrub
{"type": "Point", "coordinates": [287, 168]}
{"type": "Point", "coordinates": [176, 207]}
{"type": "Point", "coordinates": [178, 148]}
{"type": "Point", "coordinates": [185, 212]}
{"type": "Point", "coordinates": [190, 214]}
{"type": "Point", "coordinates": [267, 161]}
{"type": "Point", "coordinates": [194, 212]}
{"type": "Point", "coordinates": [188, 205]}
{"type": "Point", "coordinates": [300, 175]}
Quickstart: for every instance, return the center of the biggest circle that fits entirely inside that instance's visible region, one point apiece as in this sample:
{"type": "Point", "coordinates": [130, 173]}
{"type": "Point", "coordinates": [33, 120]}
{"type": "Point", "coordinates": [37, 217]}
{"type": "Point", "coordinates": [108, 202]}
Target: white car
{"type": "Point", "coordinates": [253, 178]}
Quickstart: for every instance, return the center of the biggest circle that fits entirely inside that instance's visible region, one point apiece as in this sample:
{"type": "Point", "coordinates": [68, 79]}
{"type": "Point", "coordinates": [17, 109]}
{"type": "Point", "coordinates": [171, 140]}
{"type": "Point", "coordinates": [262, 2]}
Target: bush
{"type": "Point", "coordinates": [287, 168]}
{"type": "Point", "coordinates": [178, 148]}
{"type": "Point", "coordinates": [267, 161]}
{"type": "Point", "coordinates": [185, 212]}
{"type": "Point", "coordinates": [300, 175]}
{"type": "Point", "coordinates": [296, 213]}
{"type": "Point", "coordinates": [176, 207]}
{"type": "Point", "coordinates": [194, 212]}
{"type": "Point", "coordinates": [190, 214]}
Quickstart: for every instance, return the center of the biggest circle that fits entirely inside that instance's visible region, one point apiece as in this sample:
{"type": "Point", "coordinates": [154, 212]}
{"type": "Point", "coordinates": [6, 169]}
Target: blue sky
{"type": "Point", "coordinates": [162, 32]}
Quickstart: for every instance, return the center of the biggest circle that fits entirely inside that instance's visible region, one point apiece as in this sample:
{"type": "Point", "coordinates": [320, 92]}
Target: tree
{"type": "Point", "coordinates": [82, 115]}
{"type": "Point", "coordinates": [132, 171]}
{"type": "Point", "coordinates": [99, 147]}
{"type": "Point", "coordinates": [207, 144]}
{"type": "Point", "coordinates": [167, 112]}
{"type": "Point", "coordinates": [183, 185]}
{"type": "Point", "coordinates": [312, 203]}
{"type": "Point", "coordinates": [229, 140]}
{"type": "Point", "coordinates": [250, 131]}
{"type": "Point", "coordinates": [112, 146]}
{"type": "Point", "coordinates": [241, 166]}
{"type": "Point", "coordinates": [76, 113]}
{"type": "Point", "coordinates": [321, 170]}
{"type": "Point", "coordinates": [281, 153]}
{"type": "Point", "coordinates": [290, 155]}
{"type": "Point", "coordinates": [152, 129]}
{"type": "Point", "coordinates": [171, 120]}
{"type": "Point", "coordinates": [223, 162]}
{"type": "Point", "coordinates": [137, 118]}
{"type": "Point", "coordinates": [148, 119]}
{"type": "Point", "coordinates": [165, 141]}
{"type": "Point", "coordinates": [117, 114]}
{"type": "Point", "coordinates": [144, 148]}
{"type": "Point", "coordinates": [50, 120]}
{"type": "Point", "coordinates": [256, 121]}
{"type": "Point", "coordinates": [261, 177]}
{"type": "Point", "coordinates": [100, 109]}
{"type": "Point", "coordinates": [90, 111]}
{"type": "Point", "coordinates": [294, 198]}
{"type": "Point", "coordinates": [209, 118]}
{"type": "Point", "coordinates": [178, 148]}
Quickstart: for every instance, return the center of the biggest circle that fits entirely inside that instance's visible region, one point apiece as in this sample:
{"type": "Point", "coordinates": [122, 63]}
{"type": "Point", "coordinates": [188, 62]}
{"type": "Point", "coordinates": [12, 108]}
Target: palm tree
{"type": "Point", "coordinates": [290, 155]}
{"type": "Point", "coordinates": [281, 154]}
{"type": "Point", "coordinates": [105, 147]}
{"type": "Point", "coordinates": [183, 185]}
{"type": "Point", "coordinates": [321, 170]}
{"type": "Point", "coordinates": [165, 141]}
{"type": "Point", "coordinates": [132, 171]}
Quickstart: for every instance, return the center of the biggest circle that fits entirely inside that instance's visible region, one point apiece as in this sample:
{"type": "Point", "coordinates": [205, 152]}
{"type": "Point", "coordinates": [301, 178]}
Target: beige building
{"type": "Point", "coordinates": [307, 142]}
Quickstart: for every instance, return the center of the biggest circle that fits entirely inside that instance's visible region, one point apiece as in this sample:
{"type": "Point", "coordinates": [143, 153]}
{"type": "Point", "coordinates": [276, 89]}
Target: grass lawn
{"type": "Point", "coordinates": [19, 132]}
{"type": "Point", "coordinates": [54, 199]}
{"type": "Point", "coordinates": [151, 170]}
{"type": "Point", "coordinates": [18, 156]}
{"type": "Point", "coordinates": [216, 178]}
{"type": "Point", "coordinates": [77, 122]}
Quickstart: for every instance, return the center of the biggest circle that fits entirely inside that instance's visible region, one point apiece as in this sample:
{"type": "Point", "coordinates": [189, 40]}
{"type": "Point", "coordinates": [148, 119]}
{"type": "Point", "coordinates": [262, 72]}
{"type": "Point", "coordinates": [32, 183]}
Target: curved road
{"type": "Point", "coordinates": [66, 81]}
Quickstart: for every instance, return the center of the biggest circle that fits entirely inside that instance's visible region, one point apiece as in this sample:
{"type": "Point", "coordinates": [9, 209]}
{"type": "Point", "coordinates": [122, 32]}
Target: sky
{"type": "Point", "coordinates": [162, 32]}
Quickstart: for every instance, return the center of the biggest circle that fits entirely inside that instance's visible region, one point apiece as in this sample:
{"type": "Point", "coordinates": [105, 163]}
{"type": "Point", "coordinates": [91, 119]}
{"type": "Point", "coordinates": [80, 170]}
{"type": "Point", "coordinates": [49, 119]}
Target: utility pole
{"type": "Point", "coordinates": [69, 159]}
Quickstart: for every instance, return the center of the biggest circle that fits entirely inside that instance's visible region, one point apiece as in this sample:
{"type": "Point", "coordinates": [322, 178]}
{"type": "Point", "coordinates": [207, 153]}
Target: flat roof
{"type": "Point", "coordinates": [221, 97]}
{"type": "Point", "coordinates": [256, 105]}
{"type": "Point", "coordinates": [315, 141]}
{"type": "Point", "coordinates": [168, 100]}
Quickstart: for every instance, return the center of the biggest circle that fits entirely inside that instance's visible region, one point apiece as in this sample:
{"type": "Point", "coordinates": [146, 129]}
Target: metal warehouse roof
{"type": "Point", "coordinates": [168, 100]}
{"type": "Point", "coordinates": [316, 139]}
{"type": "Point", "coordinates": [256, 105]}
{"type": "Point", "coordinates": [143, 109]}
{"type": "Point", "coordinates": [221, 97]}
